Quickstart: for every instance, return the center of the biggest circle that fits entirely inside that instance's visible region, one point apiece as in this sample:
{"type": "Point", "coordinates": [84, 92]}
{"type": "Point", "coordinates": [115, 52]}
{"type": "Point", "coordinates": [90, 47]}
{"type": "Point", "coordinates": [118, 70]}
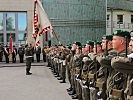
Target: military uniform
{"type": "Point", "coordinates": [116, 81]}
{"type": "Point", "coordinates": [44, 53]}
{"type": "Point", "coordinates": [38, 52]}
{"type": "Point", "coordinates": [14, 54]}
{"type": "Point", "coordinates": [124, 65]}
{"type": "Point", "coordinates": [1, 52]}
{"type": "Point", "coordinates": [21, 53]}
{"type": "Point", "coordinates": [28, 54]}
{"type": "Point", "coordinates": [6, 53]}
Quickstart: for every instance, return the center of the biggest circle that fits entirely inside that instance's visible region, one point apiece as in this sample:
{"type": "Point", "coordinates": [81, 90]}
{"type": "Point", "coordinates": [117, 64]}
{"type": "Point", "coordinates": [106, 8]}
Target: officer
{"type": "Point", "coordinates": [21, 53]}
{"type": "Point", "coordinates": [14, 54]}
{"type": "Point", "coordinates": [33, 51]}
{"type": "Point", "coordinates": [6, 53]}
{"type": "Point", "coordinates": [38, 52]}
{"type": "Point", "coordinates": [29, 55]}
{"type": "Point", "coordinates": [1, 52]}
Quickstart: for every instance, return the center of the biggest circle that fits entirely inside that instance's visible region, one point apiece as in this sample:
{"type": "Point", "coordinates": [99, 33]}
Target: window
{"type": "Point", "coordinates": [131, 18]}
{"type": "Point", "coordinates": [22, 21]}
{"type": "Point", "coordinates": [21, 36]}
{"type": "Point", "coordinates": [119, 19]}
{"type": "Point", "coordinates": [15, 24]}
{"type": "Point", "coordinates": [1, 21]}
{"type": "Point", "coordinates": [108, 17]}
{"type": "Point", "coordinates": [10, 21]}
{"type": "Point", "coordinates": [13, 36]}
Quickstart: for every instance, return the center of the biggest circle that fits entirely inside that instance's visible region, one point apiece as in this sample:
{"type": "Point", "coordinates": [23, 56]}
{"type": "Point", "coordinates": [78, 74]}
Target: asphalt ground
{"type": "Point", "coordinates": [41, 85]}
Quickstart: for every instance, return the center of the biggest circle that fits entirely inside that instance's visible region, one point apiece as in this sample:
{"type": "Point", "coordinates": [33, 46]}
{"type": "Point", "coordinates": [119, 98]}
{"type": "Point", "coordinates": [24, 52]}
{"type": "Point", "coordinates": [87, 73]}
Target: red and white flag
{"type": "Point", "coordinates": [41, 22]}
{"type": "Point", "coordinates": [11, 44]}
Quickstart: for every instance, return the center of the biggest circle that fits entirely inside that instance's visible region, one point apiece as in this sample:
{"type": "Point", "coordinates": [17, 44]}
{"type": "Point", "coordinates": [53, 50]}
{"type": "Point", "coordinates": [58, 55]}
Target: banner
{"type": "Point", "coordinates": [11, 44]}
{"type": "Point", "coordinates": [41, 22]}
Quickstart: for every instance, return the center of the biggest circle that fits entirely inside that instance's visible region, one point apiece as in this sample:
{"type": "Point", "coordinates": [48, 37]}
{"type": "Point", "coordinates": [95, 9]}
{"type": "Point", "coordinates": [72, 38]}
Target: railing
{"type": "Point", "coordinates": [120, 25]}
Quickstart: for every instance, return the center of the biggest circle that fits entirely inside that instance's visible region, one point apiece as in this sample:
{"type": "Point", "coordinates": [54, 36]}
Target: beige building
{"type": "Point", "coordinates": [16, 17]}
{"type": "Point", "coordinates": [118, 19]}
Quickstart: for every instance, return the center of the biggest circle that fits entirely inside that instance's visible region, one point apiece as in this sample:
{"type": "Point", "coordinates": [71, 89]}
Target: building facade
{"type": "Point", "coordinates": [77, 20]}
{"type": "Point", "coordinates": [16, 17]}
{"type": "Point", "coordinates": [119, 15]}
{"type": "Point", "coordinates": [73, 20]}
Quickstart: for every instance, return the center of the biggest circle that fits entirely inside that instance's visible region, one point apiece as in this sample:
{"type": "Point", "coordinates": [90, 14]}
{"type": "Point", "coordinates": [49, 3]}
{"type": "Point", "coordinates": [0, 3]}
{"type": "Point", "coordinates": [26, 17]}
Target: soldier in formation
{"type": "Point", "coordinates": [98, 70]}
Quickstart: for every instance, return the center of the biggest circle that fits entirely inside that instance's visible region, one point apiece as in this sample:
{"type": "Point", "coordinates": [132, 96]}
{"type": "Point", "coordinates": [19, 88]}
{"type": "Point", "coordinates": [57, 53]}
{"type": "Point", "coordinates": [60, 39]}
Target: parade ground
{"type": "Point", "coordinates": [41, 85]}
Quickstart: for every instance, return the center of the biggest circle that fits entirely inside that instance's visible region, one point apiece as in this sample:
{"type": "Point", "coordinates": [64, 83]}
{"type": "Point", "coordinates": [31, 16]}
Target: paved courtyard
{"type": "Point", "coordinates": [41, 85]}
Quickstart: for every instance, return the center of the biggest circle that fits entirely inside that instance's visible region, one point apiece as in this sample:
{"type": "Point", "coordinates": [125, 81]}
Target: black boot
{"type": "Point", "coordinates": [63, 81]}
{"type": "Point", "coordinates": [27, 71]}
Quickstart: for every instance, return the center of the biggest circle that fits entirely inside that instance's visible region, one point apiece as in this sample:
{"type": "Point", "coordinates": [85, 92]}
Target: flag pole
{"type": "Point", "coordinates": [54, 33]}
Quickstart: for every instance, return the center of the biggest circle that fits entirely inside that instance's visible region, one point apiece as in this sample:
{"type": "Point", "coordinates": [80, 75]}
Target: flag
{"type": "Point", "coordinates": [11, 44]}
{"type": "Point", "coordinates": [41, 22]}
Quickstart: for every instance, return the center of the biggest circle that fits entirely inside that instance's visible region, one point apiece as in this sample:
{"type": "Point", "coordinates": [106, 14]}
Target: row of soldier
{"type": "Point", "coordinates": [5, 51]}
{"type": "Point", "coordinates": [98, 71]}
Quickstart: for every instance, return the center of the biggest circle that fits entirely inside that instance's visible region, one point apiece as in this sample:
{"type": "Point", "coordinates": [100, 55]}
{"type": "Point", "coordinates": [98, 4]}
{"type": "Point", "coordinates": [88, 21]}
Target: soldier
{"type": "Point", "coordinates": [72, 90]}
{"type": "Point", "coordinates": [6, 53]}
{"type": "Point", "coordinates": [113, 82]}
{"type": "Point", "coordinates": [102, 73]}
{"type": "Point", "coordinates": [29, 55]}
{"type": "Point", "coordinates": [38, 52]}
{"type": "Point", "coordinates": [33, 51]}
{"type": "Point", "coordinates": [21, 53]}
{"type": "Point", "coordinates": [1, 52]}
{"type": "Point", "coordinates": [14, 54]}
{"type": "Point", "coordinates": [44, 53]}
{"type": "Point", "coordinates": [124, 65]}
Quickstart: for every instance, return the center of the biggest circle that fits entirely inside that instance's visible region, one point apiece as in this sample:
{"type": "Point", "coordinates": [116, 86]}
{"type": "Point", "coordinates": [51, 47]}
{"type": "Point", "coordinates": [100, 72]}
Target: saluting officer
{"type": "Point", "coordinates": [28, 54]}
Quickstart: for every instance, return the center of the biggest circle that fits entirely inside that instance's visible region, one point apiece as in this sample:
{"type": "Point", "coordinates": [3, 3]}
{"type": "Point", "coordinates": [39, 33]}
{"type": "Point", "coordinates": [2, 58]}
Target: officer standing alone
{"type": "Point", "coordinates": [28, 54]}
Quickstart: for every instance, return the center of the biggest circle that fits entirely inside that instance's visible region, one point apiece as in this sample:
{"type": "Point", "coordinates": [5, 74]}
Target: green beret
{"type": "Point", "coordinates": [80, 47]}
{"type": "Point", "coordinates": [91, 43]}
{"type": "Point", "coordinates": [107, 37]}
{"type": "Point", "coordinates": [60, 45]}
{"type": "Point", "coordinates": [83, 46]}
{"type": "Point", "coordinates": [98, 42]}
{"type": "Point", "coordinates": [131, 33]}
{"type": "Point", "coordinates": [122, 33]}
{"type": "Point", "coordinates": [78, 43]}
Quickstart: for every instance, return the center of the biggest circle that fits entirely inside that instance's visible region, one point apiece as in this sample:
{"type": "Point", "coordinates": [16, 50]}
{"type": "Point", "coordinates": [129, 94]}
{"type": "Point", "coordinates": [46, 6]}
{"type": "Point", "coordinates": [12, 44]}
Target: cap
{"type": "Point", "coordinates": [90, 43]}
{"type": "Point", "coordinates": [122, 33]}
{"type": "Point", "coordinates": [107, 37]}
{"type": "Point", "coordinates": [60, 45]}
{"type": "Point", "coordinates": [131, 33]}
{"type": "Point", "coordinates": [98, 42]}
{"type": "Point", "coordinates": [78, 43]}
